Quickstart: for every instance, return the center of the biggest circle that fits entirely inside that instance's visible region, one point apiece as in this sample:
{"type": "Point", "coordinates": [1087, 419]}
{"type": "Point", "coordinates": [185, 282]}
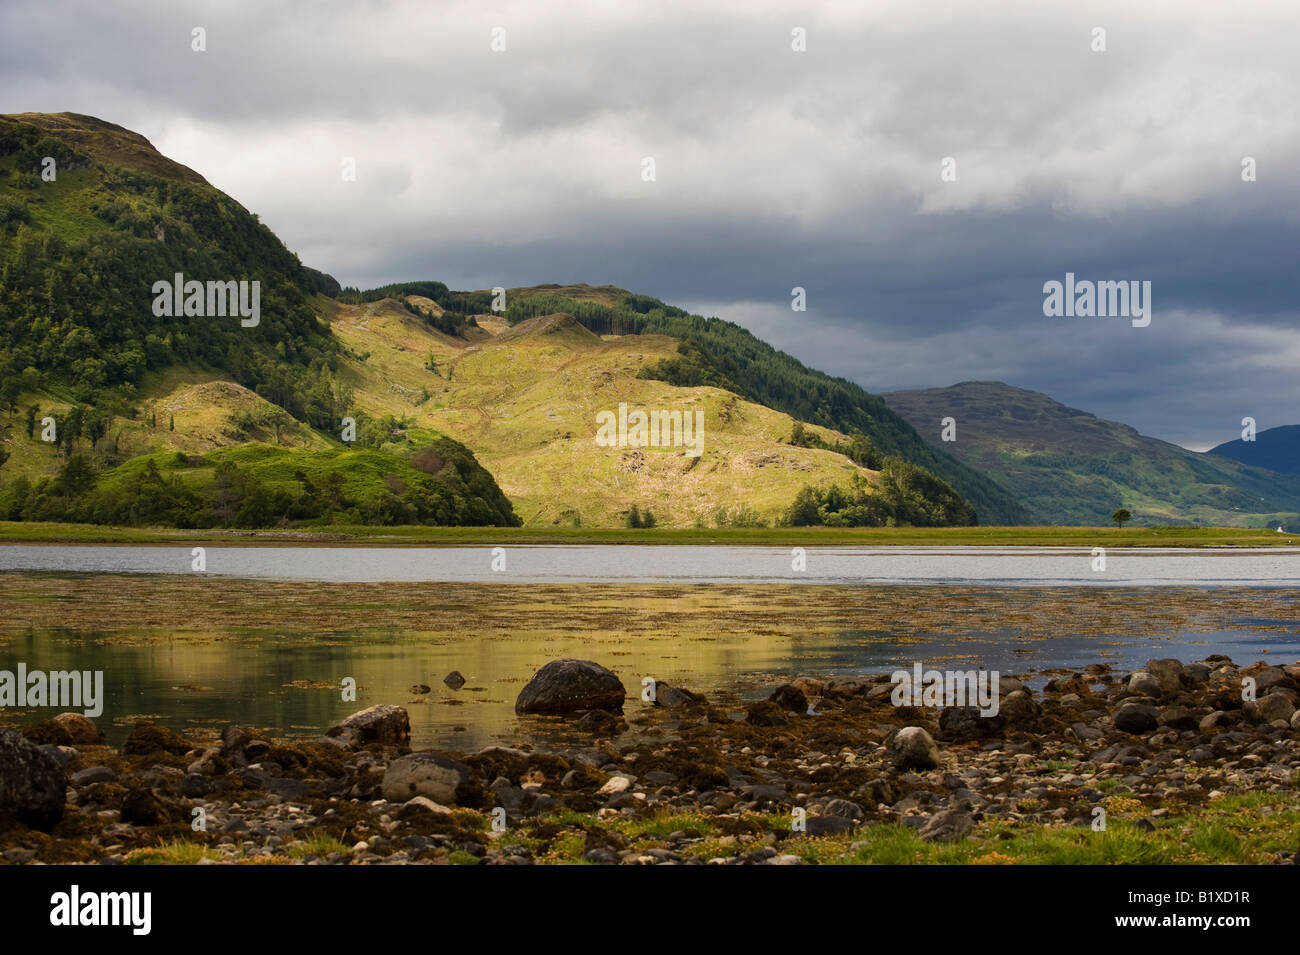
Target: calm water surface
{"type": "Point", "coordinates": [286, 680]}
{"type": "Point", "coordinates": [631, 563]}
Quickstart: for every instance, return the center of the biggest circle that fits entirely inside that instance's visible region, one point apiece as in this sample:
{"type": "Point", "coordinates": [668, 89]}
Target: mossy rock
{"type": "Point", "coordinates": [149, 738]}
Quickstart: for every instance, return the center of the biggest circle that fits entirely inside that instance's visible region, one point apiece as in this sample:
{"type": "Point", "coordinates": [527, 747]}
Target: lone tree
{"type": "Point", "coordinates": [1120, 516]}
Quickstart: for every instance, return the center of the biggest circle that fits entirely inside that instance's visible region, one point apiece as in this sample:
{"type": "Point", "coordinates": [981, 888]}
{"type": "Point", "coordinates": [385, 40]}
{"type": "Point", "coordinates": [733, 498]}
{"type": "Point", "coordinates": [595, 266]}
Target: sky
{"type": "Point", "coordinates": [920, 169]}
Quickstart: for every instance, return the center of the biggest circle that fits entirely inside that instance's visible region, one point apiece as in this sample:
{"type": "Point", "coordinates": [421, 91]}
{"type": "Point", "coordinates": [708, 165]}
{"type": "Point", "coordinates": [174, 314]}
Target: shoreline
{"type": "Point", "coordinates": [1182, 769]}
{"type": "Point", "coordinates": [12, 532]}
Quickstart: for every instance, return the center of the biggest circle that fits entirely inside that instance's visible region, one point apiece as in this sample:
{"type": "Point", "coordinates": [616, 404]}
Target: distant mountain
{"type": "Point", "coordinates": [1070, 467]}
{"type": "Point", "coordinates": [1277, 449]}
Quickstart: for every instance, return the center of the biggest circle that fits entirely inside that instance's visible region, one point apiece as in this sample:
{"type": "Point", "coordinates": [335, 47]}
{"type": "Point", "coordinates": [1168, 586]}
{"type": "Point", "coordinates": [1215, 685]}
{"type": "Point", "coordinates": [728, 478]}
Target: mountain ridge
{"type": "Point", "coordinates": [1072, 467]}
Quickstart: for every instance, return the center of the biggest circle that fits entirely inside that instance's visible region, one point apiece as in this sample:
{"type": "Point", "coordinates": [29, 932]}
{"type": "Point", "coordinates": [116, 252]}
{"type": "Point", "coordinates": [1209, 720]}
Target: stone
{"type": "Point", "coordinates": [32, 785]}
{"type": "Point", "coordinates": [809, 686]}
{"type": "Point", "coordinates": [418, 806]}
{"type": "Point", "coordinates": [790, 698]}
{"type": "Point", "coordinates": [1018, 709]}
{"type": "Point", "coordinates": [383, 723]}
{"type": "Point", "coordinates": [429, 774]}
{"type": "Point", "coordinates": [913, 748]}
{"type": "Point", "coordinates": [1144, 684]}
{"type": "Point", "coordinates": [600, 723]}
{"type": "Point", "coordinates": [419, 689]}
{"type": "Point", "coordinates": [571, 686]}
{"type": "Point", "coordinates": [828, 825]}
{"type": "Point", "coordinates": [454, 680]}
{"type": "Point", "coordinates": [1178, 717]}
{"type": "Point", "coordinates": [950, 825]}
{"type": "Point", "coordinates": [963, 723]}
{"type": "Point", "coordinates": [81, 731]}
{"type": "Point", "coordinates": [92, 775]}
{"type": "Point", "coordinates": [66, 729]}
{"type": "Point", "coordinates": [1168, 672]}
{"type": "Point", "coordinates": [673, 696]}
{"type": "Point", "coordinates": [1216, 720]}
{"type": "Point", "coordinates": [615, 784]}
{"type": "Point", "coordinates": [1266, 709]}
{"type": "Point", "coordinates": [1136, 718]}
{"type": "Point", "coordinates": [765, 713]}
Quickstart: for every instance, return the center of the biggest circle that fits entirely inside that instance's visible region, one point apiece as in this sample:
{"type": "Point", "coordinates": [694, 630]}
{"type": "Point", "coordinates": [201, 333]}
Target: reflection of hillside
{"type": "Point", "coordinates": [247, 640]}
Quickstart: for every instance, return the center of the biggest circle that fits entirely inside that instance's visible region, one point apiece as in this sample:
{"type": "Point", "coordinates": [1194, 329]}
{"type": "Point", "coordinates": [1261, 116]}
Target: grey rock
{"type": "Point", "coordinates": [92, 775]}
{"type": "Point", "coordinates": [950, 825]}
{"type": "Point", "coordinates": [1144, 683]}
{"type": "Point", "coordinates": [429, 774]}
{"type": "Point", "coordinates": [384, 723]}
{"type": "Point", "coordinates": [913, 748]}
{"type": "Point", "coordinates": [1266, 709]}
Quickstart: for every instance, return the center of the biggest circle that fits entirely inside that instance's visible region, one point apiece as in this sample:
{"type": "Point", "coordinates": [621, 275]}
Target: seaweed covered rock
{"type": "Point", "coordinates": [31, 783]}
{"type": "Point", "coordinates": [66, 729]}
{"type": "Point", "coordinates": [572, 686]}
{"type": "Point", "coordinates": [149, 738]}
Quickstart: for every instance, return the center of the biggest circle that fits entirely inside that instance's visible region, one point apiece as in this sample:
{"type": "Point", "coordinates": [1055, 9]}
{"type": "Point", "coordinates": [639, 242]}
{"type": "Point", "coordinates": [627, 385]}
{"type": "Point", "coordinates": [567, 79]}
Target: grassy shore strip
{"type": "Point", "coordinates": [1244, 829]}
{"type": "Point", "coordinates": [12, 532]}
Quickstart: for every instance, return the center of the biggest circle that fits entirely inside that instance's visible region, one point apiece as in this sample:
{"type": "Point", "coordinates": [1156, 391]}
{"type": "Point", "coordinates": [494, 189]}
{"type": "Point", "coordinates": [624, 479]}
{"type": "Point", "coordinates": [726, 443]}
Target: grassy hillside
{"type": "Point", "coordinates": [711, 351]}
{"type": "Point", "coordinates": [1277, 449]}
{"type": "Point", "coordinates": [1070, 467]}
{"type": "Point", "coordinates": [80, 342]}
{"type": "Point", "coordinates": [526, 400]}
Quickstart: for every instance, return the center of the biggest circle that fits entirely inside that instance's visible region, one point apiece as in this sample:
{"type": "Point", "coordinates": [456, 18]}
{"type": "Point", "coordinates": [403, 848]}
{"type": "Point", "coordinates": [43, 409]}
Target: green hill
{"type": "Point", "coordinates": [82, 341]}
{"type": "Point", "coordinates": [81, 254]}
{"type": "Point", "coordinates": [1070, 467]}
{"type": "Point", "coordinates": [722, 354]}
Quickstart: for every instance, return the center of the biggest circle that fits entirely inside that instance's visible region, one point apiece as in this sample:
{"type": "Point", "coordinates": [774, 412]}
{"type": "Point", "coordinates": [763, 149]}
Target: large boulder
{"type": "Point", "coordinates": [1136, 718]}
{"type": "Point", "coordinates": [32, 784]}
{"type": "Point", "coordinates": [572, 686]}
{"type": "Point", "coordinates": [427, 774]}
{"type": "Point", "coordinates": [384, 723]}
{"type": "Point", "coordinates": [1266, 709]}
{"type": "Point", "coordinates": [913, 748]}
{"type": "Point", "coordinates": [1168, 672]}
{"type": "Point", "coordinates": [1144, 684]}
